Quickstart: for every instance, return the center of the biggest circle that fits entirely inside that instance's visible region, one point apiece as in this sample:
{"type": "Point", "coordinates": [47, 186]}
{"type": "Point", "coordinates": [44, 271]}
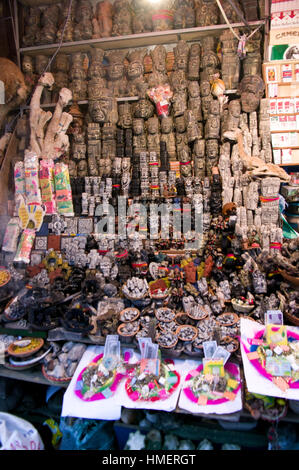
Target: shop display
{"type": "Point", "coordinates": [146, 212]}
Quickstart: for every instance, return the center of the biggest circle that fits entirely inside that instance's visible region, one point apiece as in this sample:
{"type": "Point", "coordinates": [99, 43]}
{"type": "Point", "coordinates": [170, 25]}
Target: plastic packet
{"type": "Point", "coordinates": [11, 235]}
{"type": "Point", "coordinates": [161, 96]}
{"type": "Point", "coordinates": [63, 190]}
{"type": "Point", "coordinates": [46, 181]}
{"type": "Point", "coordinates": [25, 246]}
{"type": "Point", "coordinates": [32, 190]}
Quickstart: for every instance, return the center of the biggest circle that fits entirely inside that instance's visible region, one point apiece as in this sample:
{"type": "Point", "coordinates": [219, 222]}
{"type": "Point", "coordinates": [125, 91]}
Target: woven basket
{"type": "Point", "coordinates": [242, 308]}
{"type": "Point", "coordinates": [292, 319]}
{"type": "Point", "coordinates": [235, 319]}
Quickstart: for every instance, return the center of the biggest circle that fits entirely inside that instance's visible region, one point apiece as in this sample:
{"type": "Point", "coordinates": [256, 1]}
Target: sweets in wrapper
{"type": "Point", "coordinates": [63, 190]}
{"type": "Point", "coordinates": [161, 96]}
{"type": "Point", "coordinates": [32, 190]}
{"type": "Point", "coordinates": [12, 232]}
{"type": "Point", "coordinates": [46, 181]}
{"type": "Point", "coordinates": [25, 246]}
{"type": "Point", "coordinates": [19, 178]}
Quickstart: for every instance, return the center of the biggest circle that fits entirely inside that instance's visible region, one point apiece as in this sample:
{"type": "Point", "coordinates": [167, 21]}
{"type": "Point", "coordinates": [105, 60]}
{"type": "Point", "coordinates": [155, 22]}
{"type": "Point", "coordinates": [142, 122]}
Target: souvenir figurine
{"type": "Point", "coordinates": [49, 25]}
{"type": "Point", "coordinates": [122, 18]}
{"type": "Point", "coordinates": [193, 131]}
{"type": "Point", "coordinates": [230, 65]}
{"type": "Point", "coordinates": [194, 61]}
{"type": "Point", "coordinates": [27, 69]}
{"type": "Point", "coordinates": [41, 63]}
{"type": "Point", "coordinates": [102, 20]}
{"type": "Point", "coordinates": [108, 141]}
{"type": "Point", "coordinates": [181, 58]}
{"type": "Point", "coordinates": [194, 100]}
{"type": "Point", "coordinates": [179, 103]}
{"type": "Point", "coordinates": [96, 80]}
{"type": "Point", "coordinates": [135, 71]}
{"type": "Point", "coordinates": [125, 117]}
{"type": "Point", "coordinates": [212, 126]}
{"type": "Point", "coordinates": [206, 97]}
{"type": "Point", "coordinates": [167, 136]}
{"type": "Point", "coordinates": [153, 135]}
{"type": "Point", "coordinates": [78, 83]}
{"type": "Point", "coordinates": [184, 16]}
{"type": "Point", "coordinates": [162, 16]}
{"type": "Point", "coordinates": [198, 157]}
{"type": "Point", "coordinates": [212, 154]}
{"type": "Point", "coordinates": [141, 17]}
{"type": "Point", "coordinates": [83, 21]}
{"type": "Point", "coordinates": [252, 62]}
{"type": "Point", "coordinates": [139, 138]}
{"type": "Point", "coordinates": [32, 25]}
{"type": "Point", "coordinates": [158, 76]}
{"type": "Point", "coordinates": [104, 109]}
{"type": "Point", "coordinates": [116, 78]}
{"type": "Point", "coordinates": [143, 108]}
{"type": "Point", "coordinates": [66, 22]}
{"type": "Point", "coordinates": [207, 13]}
{"type": "Point", "coordinates": [234, 112]}
{"type": "Point", "coordinates": [185, 162]}
{"type": "Point", "coordinates": [252, 89]}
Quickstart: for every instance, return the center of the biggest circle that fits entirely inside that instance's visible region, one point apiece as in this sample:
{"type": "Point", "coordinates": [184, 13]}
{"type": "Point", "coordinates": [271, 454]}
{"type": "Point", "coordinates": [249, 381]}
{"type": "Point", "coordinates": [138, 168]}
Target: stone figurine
{"type": "Point", "coordinates": [206, 97]}
{"type": "Point", "coordinates": [78, 77]}
{"type": "Point", "coordinates": [102, 20]}
{"type": "Point", "coordinates": [49, 24]}
{"type": "Point", "coordinates": [122, 18]}
{"type": "Point", "coordinates": [194, 99]}
{"type": "Point", "coordinates": [212, 126]}
{"type": "Point", "coordinates": [104, 109]}
{"type": "Point", "coordinates": [96, 80]}
{"type": "Point", "coordinates": [61, 74]}
{"type": "Point", "coordinates": [116, 77]}
{"type": "Point", "coordinates": [153, 135]}
{"type": "Point", "coordinates": [125, 116]}
{"type": "Point", "coordinates": [135, 70]}
{"type": "Point", "coordinates": [184, 14]}
{"type": "Point", "coordinates": [167, 135]}
{"type": "Point", "coordinates": [230, 65]}
{"type": "Point", "coordinates": [252, 89]}
{"type": "Point", "coordinates": [66, 26]}
{"type": "Point", "coordinates": [139, 137]}
{"type": "Point", "coordinates": [194, 61]}
{"type": "Point", "coordinates": [141, 17]}
{"type": "Point", "coordinates": [159, 74]}
{"type": "Point", "coordinates": [83, 21]}
{"type": "Point", "coordinates": [207, 13]}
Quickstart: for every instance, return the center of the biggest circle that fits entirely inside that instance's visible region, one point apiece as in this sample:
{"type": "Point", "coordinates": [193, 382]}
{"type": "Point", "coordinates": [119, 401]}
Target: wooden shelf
{"type": "Point", "coordinates": [84, 102]}
{"type": "Point", "coordinates": [136, 40]}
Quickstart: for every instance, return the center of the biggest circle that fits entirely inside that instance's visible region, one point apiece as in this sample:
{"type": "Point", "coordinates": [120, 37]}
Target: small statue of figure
{"type": "Point", "coordinates": [252, 62]}
{"type": "Point", "coordinates": [32, 25]}
{"type": "Point", "coordinates": [142, 17]}
{"type": "Point", "coordinates": [96, 80]}
{"type": "Point", "coordinates": [167, 135]}
{"type": "Point", "coordinates": [212, 126]}
{"type": "Point", "coordinates": [94, 142]}
{"type": "Point", "coordinates": [104, 109]}
{"type": "Point", "coordinates": [185, 162]}
{"type": "Point", "coordinates": [251, 88]}
{"type": "Point", "coordinates": [83, 21]}
{"type": "Point", "coordinates": [153, 135]}
{"type": "Point", "coordinates": [135, 71]}
{"type": "Point", "coordinates": [29, 75]}
{"type": "Point", "coordinates": [49, 25]}
{"type": "Point", "coordinates": [122, 18]}
{"type": "Point", "coordinates": [194, 101]}
{"type": "Point", "coordinates": [206, 97]}
{"type": "Point", "coordinates": [116, 78]}
{"type": "Point", "coordinates": [78, 83]}
{"type": "Point", "coordinates": [61, 75]}
{"type": "Point", "coordinates": [230, 65]}
{"type": "Point", "coordinates": [181, 137]}
{"type": "Point", "coordinates": [82, 169]}
{"type": "Point", "coordinates": [210, 65]}
{"type": "Point", "coordinates": [139, 137]}
{"type": "Point", "coordinates": [41, 63]}
{"type": "Point", "coordinates": [179, 103]}
{"type": "Point", "coordinates": [162, 15]}
{"type": "Point", "coordinates": [206, 12]}
{"type": "Point", "coordinates": [234, 113]}
{"type": "Point", "coordinates": [194, 61]}
{"type": "Point", "coordinates": [212, 154]}
{"type": "Point", "coordinates": [181, 56]}
{"type": "Point", "coordinates": [65, 23]}
{"type": "Point", "coordinates": [125, 116]}
{"type": "Point", "coordinates": [184, 14]}
{"type": "Point", "coordinates": [193, 132]}
{"type": "Point", "coordinates": [159, 74]}
{"type": "Point", "coordinates": [102, 20]}
{"type": "Point", "coordinates": [143, 108]}
{"type": "Point", "coordinates": [108, 140]}
{"type": "Point", "coordinates": [198, 157]}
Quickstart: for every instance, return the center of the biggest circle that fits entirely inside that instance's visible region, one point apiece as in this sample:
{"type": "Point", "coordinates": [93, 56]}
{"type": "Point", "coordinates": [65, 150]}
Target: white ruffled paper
{"type": "Point", "coordinates": [222, 408]}
{"type": "Point", "coordinates": [256, 383]}
{"type": "Point", "coordinates": [99, 409]}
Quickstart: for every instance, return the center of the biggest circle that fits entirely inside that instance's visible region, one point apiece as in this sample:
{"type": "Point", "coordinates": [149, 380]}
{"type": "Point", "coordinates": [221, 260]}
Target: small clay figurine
{"type": "Point", "coordinates": [104, 109]}
{"type": "Point", "coordinates": [78, 83]}
{"type": "Point", "coordinates": [194, 101]}
{"type": "Point", "coordinates": [122, 18]}
{"type": "Point", "coordinates": [167, 135]}
{"type": "Point", "coordinates": [184, 14]}
{"type": "Point", "coordinates": [207, 13]}
{"type": "Point", "coordinates": [49, 25]}
{"type": "Point", "coordinates": [102, 20]}
{"type": "Point", "coordinates": [135, 71]}
{"type": "Point", "coordinates": [32, 25]}
{"type": "Point", "coordinates": [194, 61]}
{"type": "Point", "coordinates": [252, 89]}
{"type": "Point", "coordinates": [230, 65]}
{"type": "Point", "coordinates": [116, 78]}
{"type": "Point", "coordinates": [212, 126]}
{"type": "Point", "coordinates": [66, 22]}
{"type": "Point", "coordinates": [159, 74]}
{"type": "Point", "coordinates": [83, 21]}
{"type": "Point", "coordinates": [153, 135]}
{"type": "Point", "coordinates": [141, 17]}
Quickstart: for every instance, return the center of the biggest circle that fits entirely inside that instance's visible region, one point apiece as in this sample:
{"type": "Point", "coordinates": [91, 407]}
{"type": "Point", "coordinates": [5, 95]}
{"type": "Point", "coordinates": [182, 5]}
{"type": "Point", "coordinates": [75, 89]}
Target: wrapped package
{"type": "Point", "coordinates": [32, 190]}
{"type": "Point", "coordinates": [63, 191]}
{"type": "Point", "coordinates": [25, 246]}
{"type": "Point", "coordinates": [11, 235]}
{"type": "Point", "coordinates": [46, 181]}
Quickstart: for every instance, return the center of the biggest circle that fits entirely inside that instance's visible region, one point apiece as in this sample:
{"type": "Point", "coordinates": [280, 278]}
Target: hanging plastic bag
{"type": "Point", "coordinates": [161, 96]}
{"type": "Point", "coordinates": [18, 434]}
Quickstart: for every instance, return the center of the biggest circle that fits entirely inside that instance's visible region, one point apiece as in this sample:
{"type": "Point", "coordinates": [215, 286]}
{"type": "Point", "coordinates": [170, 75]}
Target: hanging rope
{"type": "Point", "coordinates": [242, 39]}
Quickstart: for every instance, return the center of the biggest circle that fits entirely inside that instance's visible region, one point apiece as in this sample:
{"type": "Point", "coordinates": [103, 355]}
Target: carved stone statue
{"type": "Point", "coordinates": [207, 12]}
{"type": "Point", "coordinates": [159, 75]}
{"type": "Point", "coordinates": [179, 103]}
{"type": "Point", "coordinates": [143, 108]}
{"type": "Point", "coordinates": [153, 135]}
{"type": "Point", "coordinates": [102, 20]}
{"type": "Point", "coordinates": [96, 80]}
{"type": "Point", "coordinates": [167, 135]}
{"type": "Point", "coordinates": [32, 25]}
{"type": "Point", "coordinates": [66, 26]}
{"type": "Point", "coordinates": [194, 101]}
{"type": "Point", "coordinates": [212, 154]}
{"type": "Point", "coordinates": [125, 116]}
{"type": "Point", "coordinates": [104, 109]}
{"type": "Point", "coordinates": [185, 162]}
{"type": "Point", "coordinates": [83, 21]}
{"type": "Point", "coordinates": [234, 112]}
{"type": "Point", "coordinates": [141, 17]}
{"type": "Point", "coordinates": [49, 24]}
{"type": "Point", "coordinates": [252, 62]}
{"type": "Point", "coordinates": [116, 78]}
{"type": "Point", "coordinates": [135, 70]}
{"type": "Point", "coordinates": [27, 69]}
{"type": "Point", "coordinates": [212, 126]}
{"type": "Point", "coordinates": [193, 132]}
{"type": "Point", "coordinates": [122, 18]}
{"type": "Point", "coordinates": [41, 63]}
{"type": "Point", "coordinates": [252, 89]}
{"type": "Point", "coordinates": [94, 143]}
{"type": "Point", "coordinates": [78, 77]}
{"type": "Point", "coordinates": [139, 137]}
{"type": "Point", "coordinates": [181, 137]}
{"type": "Point", "coordinates": [194, 61]}
{"type": "Point", "coordinates": [184, 14]}
{"type": "Point", "coordinates": [206, 97]}
{"type": "Point", "coordinates": [230, 66]}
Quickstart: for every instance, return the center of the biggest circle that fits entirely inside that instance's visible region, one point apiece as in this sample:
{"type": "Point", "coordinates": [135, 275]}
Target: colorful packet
{"type": "Point", "coordinates": [25, 246]}
{"type": "Point", "coordinates": [46, 181]}
{"type": "Point", "coordinates": [63, 190]}
{"type": "Point", "coordinates": [11, 235]}
{"type": "Point", "coordinates": [32, 190]}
